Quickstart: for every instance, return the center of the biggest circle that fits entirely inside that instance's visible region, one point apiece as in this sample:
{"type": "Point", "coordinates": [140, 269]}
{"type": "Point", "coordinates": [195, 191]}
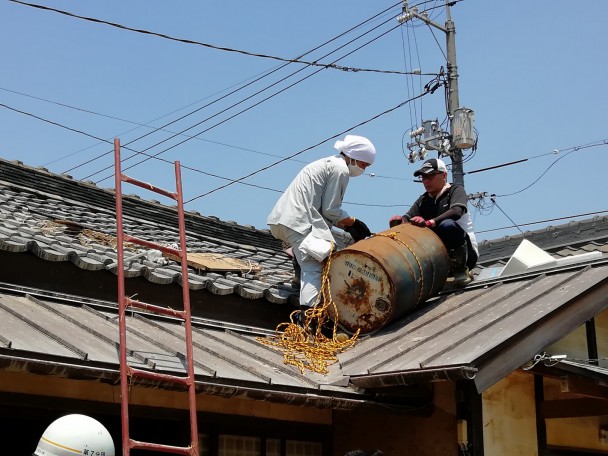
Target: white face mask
{"type": "Point", "coordinates": [353, 169]}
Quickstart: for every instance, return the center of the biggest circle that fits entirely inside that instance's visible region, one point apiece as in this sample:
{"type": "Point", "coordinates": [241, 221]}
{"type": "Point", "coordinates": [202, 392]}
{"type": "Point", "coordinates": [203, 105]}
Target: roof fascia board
{"type": "Point", "coordinates": [406, 378]}
{"type": "Point", "coordinates": [346, 400]}
{"type": "Point", "coordinates": [522, 347]}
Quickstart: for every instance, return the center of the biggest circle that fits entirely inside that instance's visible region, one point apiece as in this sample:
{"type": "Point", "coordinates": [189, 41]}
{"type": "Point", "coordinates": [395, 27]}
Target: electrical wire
{"type": "Point", "coordinates": [111, 142]}
{"type": "Point", "coordinates": [445, 57]}
{"type": "Point", "coordinates": [407, 79]}
{"type": "Point", "coordinates": [207, 45]}
{"type": "Point", "coordinates": [600, 142]}
{"type": "Point", "coordinates": [587, 214]}
{"type": "Point", "coordinates": [234, 115]}
{"type": "Point", "coordinates": [505, 214]}
{"type": "Point", "coordinates": [263, 75]}
{"type": "Point", "coordinates": [539, 177]}
{"type": "Point", "coordinates": [146, 125]}
{"type": "Point", "coordinates": [309, 148]}
{"type": "Point", "coordinates": [362, 23]}
{"type": "Point", "coordinates": [251, 96]}
{"type": "Point", "coordinates": [419, 68]}
{"type": "Point", "coordinates": [231, 181]}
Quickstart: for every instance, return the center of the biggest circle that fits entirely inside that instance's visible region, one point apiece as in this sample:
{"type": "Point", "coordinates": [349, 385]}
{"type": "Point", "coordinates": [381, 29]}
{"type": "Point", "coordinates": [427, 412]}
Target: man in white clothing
{"type": "Point", "coordinates": [312, 204]}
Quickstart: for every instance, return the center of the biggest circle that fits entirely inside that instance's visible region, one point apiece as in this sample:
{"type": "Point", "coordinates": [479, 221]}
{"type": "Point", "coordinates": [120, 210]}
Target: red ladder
{"type": "Point", "coordinates": [127, 371]}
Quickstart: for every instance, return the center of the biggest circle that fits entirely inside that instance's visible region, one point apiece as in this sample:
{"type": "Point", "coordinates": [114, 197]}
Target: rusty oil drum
{"type": "Point", "coordinates": [380, 279]}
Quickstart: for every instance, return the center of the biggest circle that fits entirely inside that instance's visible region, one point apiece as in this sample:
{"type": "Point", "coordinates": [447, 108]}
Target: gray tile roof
{"type": "Point", "coordinates": [61, 220]}
{"type": "Point", "coordinates": [562, 240]}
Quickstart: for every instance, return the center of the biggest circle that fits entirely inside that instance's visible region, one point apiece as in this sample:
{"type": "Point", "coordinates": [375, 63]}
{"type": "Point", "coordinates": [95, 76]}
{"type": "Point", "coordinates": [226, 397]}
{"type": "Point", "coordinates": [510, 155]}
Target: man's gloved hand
{"type": "Point", "coordinates": [395, 220]}
{"type": "Point", "coordinates": [430, 223]}
{"type": "Point", "coordinates": [358, 230]}
{"type": "Point", "coordinates": [418, 221]}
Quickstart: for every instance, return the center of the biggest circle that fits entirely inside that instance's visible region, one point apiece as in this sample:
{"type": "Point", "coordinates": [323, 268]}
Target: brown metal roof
{"type": "Point", "coordinates": [483, 332]}
{"type": "Point", "coordinates": [61, 336]}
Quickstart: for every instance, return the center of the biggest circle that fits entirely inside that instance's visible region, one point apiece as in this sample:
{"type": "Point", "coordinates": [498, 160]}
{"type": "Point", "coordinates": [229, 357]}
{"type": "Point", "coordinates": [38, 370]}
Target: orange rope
{"type": "Point", "coordinates": [306, 347]}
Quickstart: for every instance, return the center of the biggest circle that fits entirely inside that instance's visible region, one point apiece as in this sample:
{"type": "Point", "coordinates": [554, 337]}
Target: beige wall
{"type": "Point", "coordinates": [601, 334]}
{"type": "Point", "coordinates": [575, 344]}
{"type": "Point", "coordinates": [509, 417]}
{"type": "Point", "coordinates": [399, 435]}
{"type": "Point", "coordinates": [102, 392]}
{"type": "Point", "coordinates": [582, 432]}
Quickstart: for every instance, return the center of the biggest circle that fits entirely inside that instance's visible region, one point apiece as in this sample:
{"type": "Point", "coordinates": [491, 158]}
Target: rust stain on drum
{"type": "Point", "coordinates": [380, 279]}
{"type": "Point", "coordinates": [355, 293]}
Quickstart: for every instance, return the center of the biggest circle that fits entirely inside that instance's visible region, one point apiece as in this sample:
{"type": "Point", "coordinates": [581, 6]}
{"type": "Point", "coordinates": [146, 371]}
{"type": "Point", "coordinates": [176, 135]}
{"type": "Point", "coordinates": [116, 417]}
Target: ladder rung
{"type": "Point", "coordinates": [156, 309]}
{"type": "Point", "coordinates": [158, 376]}
{"type": "Point", "coordinates": [152, 245]}
{"type": "Point", "coordinates": [148, 186]}
{"type": "Point", "coordinates": [134, 444]}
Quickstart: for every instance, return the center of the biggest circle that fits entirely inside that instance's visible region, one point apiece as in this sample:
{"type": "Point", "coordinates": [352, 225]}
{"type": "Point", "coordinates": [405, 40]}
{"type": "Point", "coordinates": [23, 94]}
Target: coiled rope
{"type": "Point", "coordinates": [306, 347]}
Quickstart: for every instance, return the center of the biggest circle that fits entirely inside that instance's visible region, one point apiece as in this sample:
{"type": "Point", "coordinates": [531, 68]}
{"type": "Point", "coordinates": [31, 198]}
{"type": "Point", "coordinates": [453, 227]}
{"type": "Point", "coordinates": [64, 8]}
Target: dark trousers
{"type": "Point", "coordinates": [453, 236]}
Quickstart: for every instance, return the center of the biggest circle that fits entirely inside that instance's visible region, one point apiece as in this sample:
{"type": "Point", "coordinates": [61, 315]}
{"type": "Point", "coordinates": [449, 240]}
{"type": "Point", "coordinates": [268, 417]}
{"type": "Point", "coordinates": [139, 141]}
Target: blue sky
{"type": "Point", "coordinates": [533, 72]}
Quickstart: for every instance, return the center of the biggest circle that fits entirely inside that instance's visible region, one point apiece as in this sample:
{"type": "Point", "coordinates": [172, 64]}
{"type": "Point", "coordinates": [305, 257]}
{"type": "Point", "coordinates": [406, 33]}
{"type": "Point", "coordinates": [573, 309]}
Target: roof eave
{"type": "Point", "coordinates": [405, 378]}
{"type": "Point", "coordinates": [301, 397]}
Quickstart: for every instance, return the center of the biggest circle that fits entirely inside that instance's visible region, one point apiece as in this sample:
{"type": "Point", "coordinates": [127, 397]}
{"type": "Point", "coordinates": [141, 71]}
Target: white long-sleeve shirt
{"type": "Point", "coordinates": [313, 200]}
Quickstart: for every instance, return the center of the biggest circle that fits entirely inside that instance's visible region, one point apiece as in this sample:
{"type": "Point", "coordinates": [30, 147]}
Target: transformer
{"type": "Point", "coordinates": [463, 136]}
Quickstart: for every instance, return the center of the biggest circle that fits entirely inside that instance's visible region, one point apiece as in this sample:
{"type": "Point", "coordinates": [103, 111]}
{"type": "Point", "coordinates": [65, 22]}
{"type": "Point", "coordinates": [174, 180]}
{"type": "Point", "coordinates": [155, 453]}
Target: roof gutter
{"type": "Point", "coordinates": [406, 378]}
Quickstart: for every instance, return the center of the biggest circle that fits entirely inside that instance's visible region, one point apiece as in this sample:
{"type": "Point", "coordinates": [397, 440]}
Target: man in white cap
{"type": "Point", "coordinates": [443, 208]}
{"type": "Point", "coordinates": [312, 204]}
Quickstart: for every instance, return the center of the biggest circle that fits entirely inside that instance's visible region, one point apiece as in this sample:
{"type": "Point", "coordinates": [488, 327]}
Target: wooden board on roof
{"type": "Point", "coordinates": [217, 262]}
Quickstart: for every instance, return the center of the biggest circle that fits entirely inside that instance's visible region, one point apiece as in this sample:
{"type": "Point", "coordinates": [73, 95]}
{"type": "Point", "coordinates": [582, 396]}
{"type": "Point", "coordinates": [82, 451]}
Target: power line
{"type": "Point", "coordinates": [310, 147]}
{"type": "Point", "coordinates": [111, 142]}
{"type": "Point", "coordinates": [538, 178]}
{"type": "Point", "coordinates": [600, 142]}
{"type": "Point", "coordinates": [55, 123]}
{"type": "Point", "coordinates": [251, 96]}
{"type": "Point", "coordinates": [232, 146]}
{"type": "Point", "coordinates": [231, 181]}
{"type": "Point", "coordinates": [327, 42]}
{"type": "Point", "coordinates": [212, 46]}
{"type": "Point", "coordinates": [505, 214]}
{"type": "Point", "coordinates": [543, 221]}
{"type": "Point", "coordinates": [238, 113]}
{"type": "Point", "coordinates": [130, 122]}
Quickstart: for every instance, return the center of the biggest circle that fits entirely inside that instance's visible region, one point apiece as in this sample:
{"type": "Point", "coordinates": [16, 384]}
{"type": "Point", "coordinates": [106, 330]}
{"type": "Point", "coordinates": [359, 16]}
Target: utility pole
{"type": "Point", "coordinates": [453, 101]}
{"type": "Point", "coordinates": [461, 135]}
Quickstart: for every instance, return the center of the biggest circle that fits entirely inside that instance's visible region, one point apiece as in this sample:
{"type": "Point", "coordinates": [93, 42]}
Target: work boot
{"type": "Point", "coordinates": [300, 317]}
{"type": "Point", "coordinates": [458, 266]}
{"type": "Point", "coordinates": [301, 321]}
